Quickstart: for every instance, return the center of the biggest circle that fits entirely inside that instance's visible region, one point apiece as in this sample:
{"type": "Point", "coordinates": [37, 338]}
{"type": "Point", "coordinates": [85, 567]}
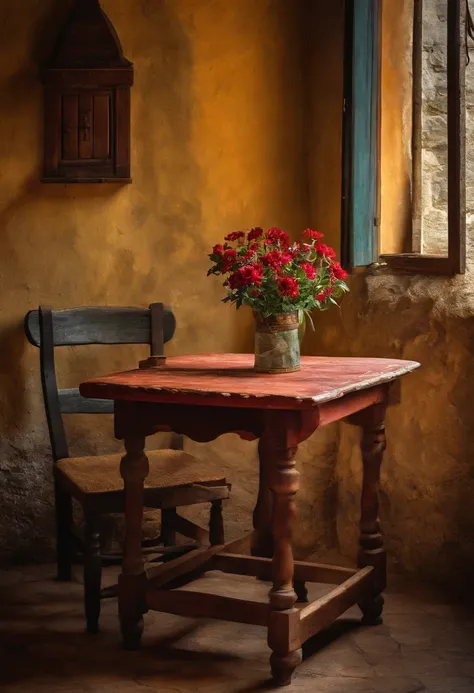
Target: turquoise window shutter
{"type": "Point", "coordinates": [362, 103]}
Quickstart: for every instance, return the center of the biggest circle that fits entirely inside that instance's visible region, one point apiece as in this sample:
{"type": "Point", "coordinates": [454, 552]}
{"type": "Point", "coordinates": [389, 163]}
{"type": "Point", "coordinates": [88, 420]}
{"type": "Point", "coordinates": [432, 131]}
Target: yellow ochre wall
{"type": "Point", "coordinates": [217, 143]}
{"type": "Point", "coordinates": [324, 91]}
{"type": "Point", "coordinates": [395, 140]}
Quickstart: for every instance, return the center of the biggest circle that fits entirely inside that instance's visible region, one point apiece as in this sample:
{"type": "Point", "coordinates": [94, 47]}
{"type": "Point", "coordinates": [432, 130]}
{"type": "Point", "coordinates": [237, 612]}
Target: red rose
{"type": "Point", "coordinates": [325, 250]}
{"type": "Point", "coordinates": [235, 280]}
{"type": "Point", "coordinates": [315, 235]}
{"type": "Point", "coordinates": [320, 297]}
{"type": "Point", "coordinates": [249, 274]}
{"type": "Point", "coordinates": [274, 236]}
{"type": "Point", "coordinates": [309, 270]}
{"type": "Point", "coordinates": [337, 271]}
{"type": "Point", "coordinates": [271, 259]}
{"type": "Point", "coordinates": [234, 236]}
{"type": "Point", "coordinates": [288, 286]}
{"type": "Point", "coordinates": [246, 274]}
{"type": "Point", "coordinates": [275, 258]}
{"type": "Point", "coordinates": [257, 273]}
{"type": "Point", "coordinates": [218, 249]}
{"type": "Point", "coordinates": [228, 259]}
{"type": "Point", "coordinates": [242, 277]}
{"type": "Point", "coordinates": [252, 274]}
{"type": "Point", "coordinates": [255, 233]}
{"type": "Point", "coordinates": [328, 291]}
{"type": "Point", "coordinates": [286, 258]}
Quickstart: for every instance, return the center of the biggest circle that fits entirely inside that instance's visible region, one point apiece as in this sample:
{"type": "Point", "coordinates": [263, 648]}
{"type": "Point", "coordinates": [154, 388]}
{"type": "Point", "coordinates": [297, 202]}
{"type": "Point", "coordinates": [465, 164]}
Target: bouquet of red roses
{"type": "Point", "coordinates": [267, 272]}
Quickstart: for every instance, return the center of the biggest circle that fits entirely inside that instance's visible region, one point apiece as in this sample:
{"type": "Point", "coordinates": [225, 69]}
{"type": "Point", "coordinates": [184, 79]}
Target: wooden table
{"type": "Point", "coordinates": [205, 396]}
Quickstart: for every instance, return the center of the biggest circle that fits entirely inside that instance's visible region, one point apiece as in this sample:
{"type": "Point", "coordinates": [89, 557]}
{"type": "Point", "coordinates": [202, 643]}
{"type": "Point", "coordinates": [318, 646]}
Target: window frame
{"type": "Point", "coordinates": [455, 261]}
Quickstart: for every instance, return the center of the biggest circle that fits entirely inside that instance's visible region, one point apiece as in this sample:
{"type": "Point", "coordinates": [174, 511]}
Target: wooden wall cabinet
{"type": "Point", "coordinates": [87, 102]}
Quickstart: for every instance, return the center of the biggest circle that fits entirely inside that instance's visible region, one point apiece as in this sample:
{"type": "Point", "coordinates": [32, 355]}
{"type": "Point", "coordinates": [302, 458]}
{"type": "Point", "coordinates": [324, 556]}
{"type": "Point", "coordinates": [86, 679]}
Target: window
{"type": "Point", "coordinates": [428, 252]}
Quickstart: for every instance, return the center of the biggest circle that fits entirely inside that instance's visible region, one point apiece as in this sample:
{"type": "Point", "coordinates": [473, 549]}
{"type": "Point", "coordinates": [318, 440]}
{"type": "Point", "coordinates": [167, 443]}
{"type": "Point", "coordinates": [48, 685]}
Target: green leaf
{"type": "Point", "coordinates": [310, 318]}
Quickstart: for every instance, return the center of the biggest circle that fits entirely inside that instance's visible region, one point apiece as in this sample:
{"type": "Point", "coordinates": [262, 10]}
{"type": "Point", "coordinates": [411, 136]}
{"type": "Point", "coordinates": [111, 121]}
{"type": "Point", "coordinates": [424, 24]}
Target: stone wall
{"type": "Point", "coordinates": [435, 129]}
{"type": "Point", "coordinates": [435, 151]}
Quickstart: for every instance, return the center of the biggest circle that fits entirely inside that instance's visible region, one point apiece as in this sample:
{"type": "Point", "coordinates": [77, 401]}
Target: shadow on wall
{"type": "Point", "coordinates": [39, 22]}
{"type": "Point", "coordinates": [427, 475]}
{"type": "Point", "coordinates": [455, 561]}
{"type": "Point", "coordinates": [406, 222]}
{"type": "Point", "coordinates": [12, 380]}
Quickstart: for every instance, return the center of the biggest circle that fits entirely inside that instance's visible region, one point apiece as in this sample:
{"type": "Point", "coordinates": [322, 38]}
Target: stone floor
{"type": "Point", "coordinates": [426, 644]}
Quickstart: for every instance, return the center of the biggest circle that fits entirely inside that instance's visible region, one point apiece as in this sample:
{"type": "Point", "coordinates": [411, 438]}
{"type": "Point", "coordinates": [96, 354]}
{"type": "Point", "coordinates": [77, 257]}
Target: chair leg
{"type": "Point", "coordinates": [63, 509]}
{"type": "Point", "coordinates": [92, 572]}
{"type": "Point", "coordinates": [168, 531]}
{"type": "Point", "coordinates": [216, 524]}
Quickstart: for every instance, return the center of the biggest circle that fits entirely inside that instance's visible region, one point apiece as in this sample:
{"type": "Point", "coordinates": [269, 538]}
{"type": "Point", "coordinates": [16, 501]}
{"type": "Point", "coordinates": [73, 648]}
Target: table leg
{"type": "Point", "coordinates": [284, 483]}
{"type": "Point", "coordinates": [262, 515]}
{"type": "Point", "coordinates": [132, 582]}
{"type": "Point", "coordinates": [372, 551]}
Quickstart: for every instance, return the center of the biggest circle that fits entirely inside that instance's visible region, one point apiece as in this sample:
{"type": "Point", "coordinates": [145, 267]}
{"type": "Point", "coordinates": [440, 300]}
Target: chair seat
{"type": "Point", "coordinates": [168, 469]}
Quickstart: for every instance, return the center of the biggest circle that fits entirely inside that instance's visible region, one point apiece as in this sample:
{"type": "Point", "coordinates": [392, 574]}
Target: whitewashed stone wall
{"type": "Point", "coordinates": [435, 162]}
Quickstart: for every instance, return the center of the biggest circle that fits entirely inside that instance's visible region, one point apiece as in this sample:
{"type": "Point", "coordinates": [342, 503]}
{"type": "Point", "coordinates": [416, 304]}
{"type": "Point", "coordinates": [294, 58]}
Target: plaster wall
{"type": "Point", "coordinates": [324, 76]}
{"type": "Point", "coordinates": [217, 144]}
{"type": "Point", "coordinates": [395, 135]}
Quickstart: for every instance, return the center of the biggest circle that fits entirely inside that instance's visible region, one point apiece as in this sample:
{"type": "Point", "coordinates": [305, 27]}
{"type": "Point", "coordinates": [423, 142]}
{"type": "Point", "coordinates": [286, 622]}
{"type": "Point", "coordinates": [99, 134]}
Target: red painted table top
{"type": "Point", "coordinates": [229, 380]}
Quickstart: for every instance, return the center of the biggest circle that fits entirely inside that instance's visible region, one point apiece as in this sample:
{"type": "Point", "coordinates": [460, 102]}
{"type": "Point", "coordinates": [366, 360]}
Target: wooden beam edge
{"type": "Point", "coordinates": [203, 605]}
{"type": "Point", "coordinates": [239, 564]}
{"type": "Point", "coordinates": [414, 263]}
{"type": "Point", "coordinates": [320, 613]}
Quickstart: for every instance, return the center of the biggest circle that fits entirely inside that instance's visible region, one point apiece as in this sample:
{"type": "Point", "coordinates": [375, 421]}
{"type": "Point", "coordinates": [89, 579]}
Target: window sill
{"type": "Point", "coordinates": [414, 263]}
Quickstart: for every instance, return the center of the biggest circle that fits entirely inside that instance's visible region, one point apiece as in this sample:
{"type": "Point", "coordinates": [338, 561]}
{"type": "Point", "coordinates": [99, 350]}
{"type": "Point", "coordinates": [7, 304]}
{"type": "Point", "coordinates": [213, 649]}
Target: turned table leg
{"type": "Point", "coordinates": [262, 515]}
{"type": "Point", "coordinates": [284, 483]}
{"type": "Point", "coordinates": [132, 582]}
{"type": "Point", "coordinates": [372, 551]}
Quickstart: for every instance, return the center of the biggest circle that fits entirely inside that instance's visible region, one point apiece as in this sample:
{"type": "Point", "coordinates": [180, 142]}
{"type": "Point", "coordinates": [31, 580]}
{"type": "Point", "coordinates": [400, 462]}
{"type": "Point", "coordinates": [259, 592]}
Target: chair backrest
{"type": "Point", "coordinates": [46, 328]}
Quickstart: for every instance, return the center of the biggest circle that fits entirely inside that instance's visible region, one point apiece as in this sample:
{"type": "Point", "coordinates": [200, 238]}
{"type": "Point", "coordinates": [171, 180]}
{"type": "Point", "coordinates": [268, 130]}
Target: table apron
{"type": "Point", "coordinates": [203, 423]}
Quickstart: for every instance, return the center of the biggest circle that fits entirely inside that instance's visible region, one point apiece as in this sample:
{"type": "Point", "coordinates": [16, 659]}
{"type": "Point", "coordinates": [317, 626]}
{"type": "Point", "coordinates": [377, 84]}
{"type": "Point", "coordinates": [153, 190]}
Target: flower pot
{"type": "Point", "coordinates": [277, 347]}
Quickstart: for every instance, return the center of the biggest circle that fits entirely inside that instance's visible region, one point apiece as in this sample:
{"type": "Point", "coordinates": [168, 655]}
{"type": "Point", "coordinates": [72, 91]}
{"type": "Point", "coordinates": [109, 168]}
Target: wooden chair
{"type": "Point", "coordinates": [175, 478]}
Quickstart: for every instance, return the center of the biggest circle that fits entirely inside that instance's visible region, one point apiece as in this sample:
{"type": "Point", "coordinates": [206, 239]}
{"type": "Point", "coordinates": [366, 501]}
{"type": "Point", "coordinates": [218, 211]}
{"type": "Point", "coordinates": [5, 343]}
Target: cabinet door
{"type": "Point", "coordinates": [101, 121]}
{"type": "Point", "coordinates": [86, 127]}
{"type": "Point", "coordinates": [70, 125]}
